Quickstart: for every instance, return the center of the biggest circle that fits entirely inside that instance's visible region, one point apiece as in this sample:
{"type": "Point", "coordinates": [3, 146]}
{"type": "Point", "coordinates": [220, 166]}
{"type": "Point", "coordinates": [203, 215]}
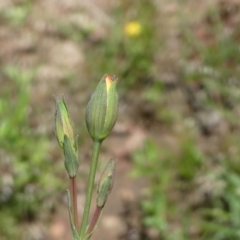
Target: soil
{"type": "Point", "coordinates": [39, 42]}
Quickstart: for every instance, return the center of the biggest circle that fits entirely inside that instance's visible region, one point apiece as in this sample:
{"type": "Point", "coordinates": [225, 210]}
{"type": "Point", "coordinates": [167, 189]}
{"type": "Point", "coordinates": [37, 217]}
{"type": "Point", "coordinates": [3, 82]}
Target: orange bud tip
{"type": "Point", "coordinates": [109, 80]}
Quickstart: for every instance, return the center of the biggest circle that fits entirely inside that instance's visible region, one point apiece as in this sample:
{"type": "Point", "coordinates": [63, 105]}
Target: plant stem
{"type": "Point", "coordinates": [73, 190]}
{"type": "Point", "coordinates": [94, 221]}
{"type": "Point", "coordinates": [92, 173]}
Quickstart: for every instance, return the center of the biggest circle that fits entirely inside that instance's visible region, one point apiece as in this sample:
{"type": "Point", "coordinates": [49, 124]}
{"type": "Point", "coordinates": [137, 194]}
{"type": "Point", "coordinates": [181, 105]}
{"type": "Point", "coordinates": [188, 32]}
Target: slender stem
{"type": "Point", "coordinates": [73, 190]}
{"type": "Point", "coordinates": [94, 221]}
{"type": "Point", "coordinates": [92, 173]}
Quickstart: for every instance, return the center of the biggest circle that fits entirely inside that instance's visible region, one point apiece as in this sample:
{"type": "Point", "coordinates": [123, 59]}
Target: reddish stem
{"type": "Point", "coordinates": [94, 221]}
{"type": "Point", "coordinates": [73, 190]}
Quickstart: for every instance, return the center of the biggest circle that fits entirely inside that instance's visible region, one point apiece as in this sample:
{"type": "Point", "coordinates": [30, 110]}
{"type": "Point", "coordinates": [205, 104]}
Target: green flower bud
{"type": "Point", "coordinates": [63, 125]}
{"type": "Point", "coordinates": [70, 157]}
{"type": "Point", "coordinates": [102, 109]}
{"type": "Point", "coordinates": [106, 183]}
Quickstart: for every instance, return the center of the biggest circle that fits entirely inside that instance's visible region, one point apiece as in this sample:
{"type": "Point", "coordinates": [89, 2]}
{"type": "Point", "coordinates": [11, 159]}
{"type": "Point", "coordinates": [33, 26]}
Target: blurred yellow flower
{"type": "Point", "coordinates": [133, 28]}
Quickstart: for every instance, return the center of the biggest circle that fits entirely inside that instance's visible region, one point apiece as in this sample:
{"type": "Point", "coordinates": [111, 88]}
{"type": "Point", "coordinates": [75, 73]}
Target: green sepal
{"type": "Point", "coordinates": [102, 109]}
{"type": "Point", "coordinates": [112, 106]}
{"type": "Point", "coordinates": [106, 183]}
{"type": "Point", "coordinates": [70, 157]}
{"type": "Point", "coordinates": [63, 124]}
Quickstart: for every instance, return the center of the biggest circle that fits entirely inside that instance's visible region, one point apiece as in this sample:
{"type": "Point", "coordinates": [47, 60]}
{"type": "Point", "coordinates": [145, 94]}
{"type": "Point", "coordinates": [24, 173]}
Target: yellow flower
{"type": "Point", "coordinates": [133, 28]}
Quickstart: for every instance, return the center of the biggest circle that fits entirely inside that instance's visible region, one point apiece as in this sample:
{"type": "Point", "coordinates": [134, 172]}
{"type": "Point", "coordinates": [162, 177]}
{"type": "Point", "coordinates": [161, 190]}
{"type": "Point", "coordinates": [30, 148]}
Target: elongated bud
{"type": "Point", "coordinates": [102, 109]}
{"type": "Point", "coordinates": [106, 183]}
{"type": "Point", "coordinates": [70, 157]}
{"type": "Point", "coordinates": [63, 125]}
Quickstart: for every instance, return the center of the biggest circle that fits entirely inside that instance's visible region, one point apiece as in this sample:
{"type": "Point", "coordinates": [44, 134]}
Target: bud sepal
{"type": "Point", "coordinates": [70, 157]}
{"type": "Point", "coordinates": [106, 183]}
{"type": "Point", "coordinates": [63, 124]}
{"type": "Point", "coordinates": [102, 109]}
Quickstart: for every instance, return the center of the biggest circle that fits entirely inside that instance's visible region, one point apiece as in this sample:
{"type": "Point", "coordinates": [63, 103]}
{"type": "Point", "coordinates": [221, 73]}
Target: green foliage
{"type": "Point", "coordinates": [218, 63]}
{"type": "Point", "coordinates": [17, 14]}
{"type": "Point", "coordinates": [26, 176]}
{"type": "Point", "coordinates": [127, 54]}
{"type": "Point", "coordinates": [190, 159]}
{"type": "Point", "coordinates": [154, 92]}
{"type": "Point", "coordinates": [172, 174]}
{"type": "Point", "coordinates": [223, 218]}
{"type": "Point", "coordinates": [158, 165]}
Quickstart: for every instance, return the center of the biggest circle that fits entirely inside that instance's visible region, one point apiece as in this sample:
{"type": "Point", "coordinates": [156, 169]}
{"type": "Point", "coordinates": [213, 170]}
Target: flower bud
{"type": "Point", "coordinates": [70, 157]}
{"type": "Point", "coordinates": [101, 113]}
{"type": "Point", "coordinates": [63, 125]}
{"type": "Point", "coordinates": [106, 183]}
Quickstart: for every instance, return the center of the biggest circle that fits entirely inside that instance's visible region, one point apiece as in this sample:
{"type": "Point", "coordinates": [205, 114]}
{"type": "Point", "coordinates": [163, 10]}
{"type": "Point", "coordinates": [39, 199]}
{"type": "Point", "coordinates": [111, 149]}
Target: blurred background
{"type": "Point", "coordinates": [177, 138]}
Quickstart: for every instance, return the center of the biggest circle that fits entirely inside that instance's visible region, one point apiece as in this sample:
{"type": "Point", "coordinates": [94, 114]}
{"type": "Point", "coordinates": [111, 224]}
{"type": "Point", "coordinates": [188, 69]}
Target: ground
{"type": "Point", "coordinates": [43, 37]}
